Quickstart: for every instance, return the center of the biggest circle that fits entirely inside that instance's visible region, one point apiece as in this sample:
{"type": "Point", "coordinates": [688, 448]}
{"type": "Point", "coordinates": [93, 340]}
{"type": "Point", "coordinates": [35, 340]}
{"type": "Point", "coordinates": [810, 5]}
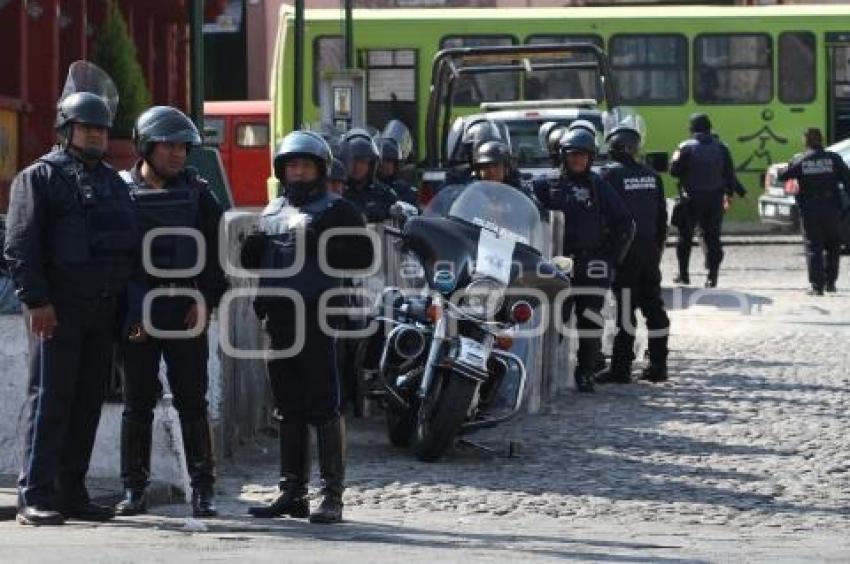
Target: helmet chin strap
{"type": "Point", "coordinates": [86, 153]}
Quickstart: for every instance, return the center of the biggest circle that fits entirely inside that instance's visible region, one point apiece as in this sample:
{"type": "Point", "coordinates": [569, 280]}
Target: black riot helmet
{"type": "Point", "coordinates": [84, 108]}
{"type": "Point", "coordinates": [163, 124]}
{"type": "Point", "coordinates": [623, 141]}
{"type": "Point", "coordinates": [306, 144]}
{"type": "Point", "coordinates": [358, 144]}
{"type": "Point", "coordinates": [388, 149]}
{"type": "Point", "coordinates": [491, 152]}
{"type": "Point", "coordinates": [550, 136]}
{"type": "Point", "coordinates": [583, 124]}
{"type": "Point", "coordinates": [337, 171]}
{"type": "Point", "coordinates": [579, 141]}
{"type": "Point", "coordinates": [700, 123]}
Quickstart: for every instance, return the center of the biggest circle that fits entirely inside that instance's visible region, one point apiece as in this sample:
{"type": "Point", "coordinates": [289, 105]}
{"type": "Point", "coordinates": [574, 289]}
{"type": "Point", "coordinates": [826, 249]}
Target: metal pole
{"type": "Point", "coordinates": [349, 34]}
{"type": "Point", "coordinates": [298, 98]}
{"type": "Point", "coordinates": [196, 21]}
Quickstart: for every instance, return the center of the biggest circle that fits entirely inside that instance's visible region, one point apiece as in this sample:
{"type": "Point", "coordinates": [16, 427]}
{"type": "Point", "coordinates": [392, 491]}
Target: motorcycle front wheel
{"type": "Point", "coordinates": [440, 416]}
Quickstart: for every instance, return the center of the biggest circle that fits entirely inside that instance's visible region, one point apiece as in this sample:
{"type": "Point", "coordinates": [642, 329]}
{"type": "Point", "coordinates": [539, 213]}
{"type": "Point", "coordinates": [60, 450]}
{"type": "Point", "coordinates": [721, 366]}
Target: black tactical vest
{"type": "Point", "coordinates": [100, 228]}
{"type": "Point", "coordinates": [170, 208]}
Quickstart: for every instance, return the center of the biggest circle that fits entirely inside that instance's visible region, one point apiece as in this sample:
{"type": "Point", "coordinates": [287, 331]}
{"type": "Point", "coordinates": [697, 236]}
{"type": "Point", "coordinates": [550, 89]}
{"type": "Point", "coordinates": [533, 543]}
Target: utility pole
{"type": "Point", "coordinates": [298, 98]}
{"type": "Point", "coordinates": [349, 33]}
{"type": "Point", "coordinates": [196, 30]}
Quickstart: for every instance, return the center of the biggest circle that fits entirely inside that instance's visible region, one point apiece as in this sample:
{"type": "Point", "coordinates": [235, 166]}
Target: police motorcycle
{"type": "Point", "coordinates": [439, 363]}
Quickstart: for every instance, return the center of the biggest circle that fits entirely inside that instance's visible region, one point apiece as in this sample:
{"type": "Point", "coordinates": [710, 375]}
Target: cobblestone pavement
{"type": "Point", "coordinates": [743, 455]}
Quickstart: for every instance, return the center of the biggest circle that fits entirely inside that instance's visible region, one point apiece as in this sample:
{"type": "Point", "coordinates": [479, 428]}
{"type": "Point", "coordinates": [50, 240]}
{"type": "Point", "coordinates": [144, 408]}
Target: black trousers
{"type": "Point", "coordinates": [306, 386]}
{"type": "Point", "coordinates": [703, 210]}
{"type": "Point", "coordinates": [591, 282]}
{"type": "Point", "coordinates": [186, 372]}
{"type": "Point", "coordinates": [821, 222]}
{"type": "Point", "coordinates": [637, 285]}
{"type": "Point", "coordinates": [67, 384]}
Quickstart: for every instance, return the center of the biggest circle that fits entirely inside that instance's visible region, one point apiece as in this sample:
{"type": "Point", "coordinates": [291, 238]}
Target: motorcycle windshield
{"type": "Point", "coordinates": [503, 210]}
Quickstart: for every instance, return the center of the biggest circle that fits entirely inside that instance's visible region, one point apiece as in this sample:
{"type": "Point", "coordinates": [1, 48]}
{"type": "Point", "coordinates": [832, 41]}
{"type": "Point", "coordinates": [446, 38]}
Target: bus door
{"type": "Point", "coordinates": [838, 72]}
{"type": "Point", "coordinates": [391, 88]}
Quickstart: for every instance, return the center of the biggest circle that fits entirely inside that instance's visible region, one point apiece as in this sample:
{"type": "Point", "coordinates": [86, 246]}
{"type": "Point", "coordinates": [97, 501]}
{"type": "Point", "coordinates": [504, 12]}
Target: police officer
{"type": "Point", "coordinates": [389, 169]}
{"type": "Point", "coordinates": [598, 229]}
{"type": "Point", "coordinates": [362, 157]}
{"type": "Point", "coordinates": [463, 140]}
{"type": "Point", "coordinates": [704, 168]}
{"type": "Point", "coordinates": [549, 136]}
{"type": "Point", "coordinates": [71, 239]}
{"type": "Point", "coordinates": [305, 386]}
{"type": "Point", "coordinates": [818, 173]}
{"type": "Point", "coordinates": [637, 281]}
{"type": "Point", "coordinates": [337, 177]}
{"type": "Point", "coordinates": [167, 194]}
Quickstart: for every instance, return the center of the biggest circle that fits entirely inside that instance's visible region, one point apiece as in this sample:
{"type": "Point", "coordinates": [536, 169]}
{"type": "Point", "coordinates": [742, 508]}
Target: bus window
{"type": "Point", "coordinates": [328, 55]}
{"type": "Point", "coordinates": [560, 84]}
{"type": "Point", "coordinates": [496, 87]}
{"type": "Point", "coordinates": [734, 69]}
{"type": "Point", "coordinates": [252, 135]}
{"type": "Point", "coordinates": [650, 69]}
{"type": "Point", "coordinates": [796, 67]}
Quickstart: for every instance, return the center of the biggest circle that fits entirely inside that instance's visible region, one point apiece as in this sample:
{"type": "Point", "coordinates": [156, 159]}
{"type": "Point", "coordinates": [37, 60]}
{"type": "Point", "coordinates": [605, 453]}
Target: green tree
{"type": "Point", "coordinates": [115, 52]}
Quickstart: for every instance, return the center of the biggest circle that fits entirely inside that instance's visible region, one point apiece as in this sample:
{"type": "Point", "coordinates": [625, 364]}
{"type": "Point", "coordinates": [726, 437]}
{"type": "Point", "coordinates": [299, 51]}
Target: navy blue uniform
{"type": "Point", "coordinates": [71, 239]}
{"type": "Point", "coordinates": [637, 282]}
{"type": "Point", "coordinates": [704, 168]}
{"type": "Point", "coordinates": [184, 202]}
{"type": "Point", "coordinates": [373, 199]}
{"type": "Point", "coordinates": [597, 231]}
{"type": "Point", "coordinates": [818, 173]}
{"type": "Point", "coordinates": [305, 386]}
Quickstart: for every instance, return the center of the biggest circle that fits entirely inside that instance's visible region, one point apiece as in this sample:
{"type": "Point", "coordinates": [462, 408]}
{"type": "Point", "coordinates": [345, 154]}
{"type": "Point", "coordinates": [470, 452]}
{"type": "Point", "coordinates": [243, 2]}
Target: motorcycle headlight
{"type": "Point", "coordinates": [483, 298]}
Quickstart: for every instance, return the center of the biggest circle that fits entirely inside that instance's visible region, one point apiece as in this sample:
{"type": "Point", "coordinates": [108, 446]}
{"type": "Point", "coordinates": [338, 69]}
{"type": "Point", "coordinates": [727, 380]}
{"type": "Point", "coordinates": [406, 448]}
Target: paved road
{"type": "Point", "coordinates": [745, 455]}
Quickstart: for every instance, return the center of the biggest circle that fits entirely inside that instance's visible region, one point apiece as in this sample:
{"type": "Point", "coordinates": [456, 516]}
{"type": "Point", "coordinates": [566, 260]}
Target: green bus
{"type": "Point", "coordinates": [763, 73]}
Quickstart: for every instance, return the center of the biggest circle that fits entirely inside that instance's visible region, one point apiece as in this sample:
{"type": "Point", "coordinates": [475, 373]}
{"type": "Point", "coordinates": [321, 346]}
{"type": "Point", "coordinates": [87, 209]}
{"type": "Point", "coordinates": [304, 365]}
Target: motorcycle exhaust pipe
{"type": "Point", "coordinates": [408, 342]}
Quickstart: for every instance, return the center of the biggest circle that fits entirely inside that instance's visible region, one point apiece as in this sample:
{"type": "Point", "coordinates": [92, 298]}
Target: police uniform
{"type": "Point", "coordinates": [185, 201]}
{"type": "Point", "coordinates": [306, 384]}
{"type": "Point", "coordinates": [597, 228]}
{"type": "Point", "coordinates": [704, 168]}
{"type": "Point", "coordinates": [637, 282]}
{"type": "Point", "coordinates": [818, 173]}
{"type": "Point", "coordinates": [71, 238]}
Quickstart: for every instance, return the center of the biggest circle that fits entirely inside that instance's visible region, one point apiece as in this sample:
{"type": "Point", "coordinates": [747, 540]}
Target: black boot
{"type": "Point", "coordinates": [830, 287]}
{"type": "Point", "coordinates": [711, 279]}
{"type": "Point", "coordinates": [294, 475]}
{"type": "Point", "coordinates": [331, 438]}
{"type": "Point", "coordinates": [815, 290]}
{"type": "Point", "coordinates": [617, 374]}
{"type": "Point", "coordinates": [135, 502]}
{"type": "Point", "coordinates": [584, 381]}
{"type": "Point", "coordinates": [197, 443]}
{"type": "Point", "coordinates": [39, 516]}
{"type": "Point", "coordinates": [135, 466]}
{"type": "Point", "coordinates": [682, 279]}
{"type": "Point", "coordinates": [655, 373]}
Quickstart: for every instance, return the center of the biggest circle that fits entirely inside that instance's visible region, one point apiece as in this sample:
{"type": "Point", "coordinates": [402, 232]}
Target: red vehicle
{"type": "Point", "coordinates": [240, 130]}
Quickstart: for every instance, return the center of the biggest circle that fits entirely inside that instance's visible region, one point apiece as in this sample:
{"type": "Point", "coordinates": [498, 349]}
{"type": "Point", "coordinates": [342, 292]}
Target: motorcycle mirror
{"type": "Point", "coordinates": [564, 264]}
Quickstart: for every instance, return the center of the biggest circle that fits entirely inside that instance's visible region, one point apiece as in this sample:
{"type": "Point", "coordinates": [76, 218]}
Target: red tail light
{"type": "Point", "coordinates": [791, 187]}
{"type": "Point", "coordinates": [425, 195]}
{"type": "Point", "coordinates": [521, 312]}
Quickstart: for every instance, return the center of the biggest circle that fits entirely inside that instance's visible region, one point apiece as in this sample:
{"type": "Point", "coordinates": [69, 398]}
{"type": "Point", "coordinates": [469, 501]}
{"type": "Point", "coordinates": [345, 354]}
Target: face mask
{"type": "Point", "coordinates": [301, 193]}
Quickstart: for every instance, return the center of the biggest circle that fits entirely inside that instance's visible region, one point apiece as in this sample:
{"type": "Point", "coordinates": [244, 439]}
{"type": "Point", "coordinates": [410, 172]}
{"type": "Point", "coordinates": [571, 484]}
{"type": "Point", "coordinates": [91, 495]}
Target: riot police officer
{"type": "Point", "coordinates": [362, 158]}
{"type": "Point", "coordinates": [337, 177]}
{"type": "Point", "coordinates": [549, 136]}
{"type": "Point", "coordinates": [305, 385]}
{"type": "Point", "coordinates": [598, 230]}
{"type": "Point", "coordinates": [389, 169]}
{"type": "Point", "coordinates": [167, 194]}
{"type": "Point", "coordinates": [818, 173]}
{"type": "Point", "coordinates": [71, 239]}
{"type": "Point", "coordinates": [704, 168]}
{"type": "Point", "coordinates": [637, 281]}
